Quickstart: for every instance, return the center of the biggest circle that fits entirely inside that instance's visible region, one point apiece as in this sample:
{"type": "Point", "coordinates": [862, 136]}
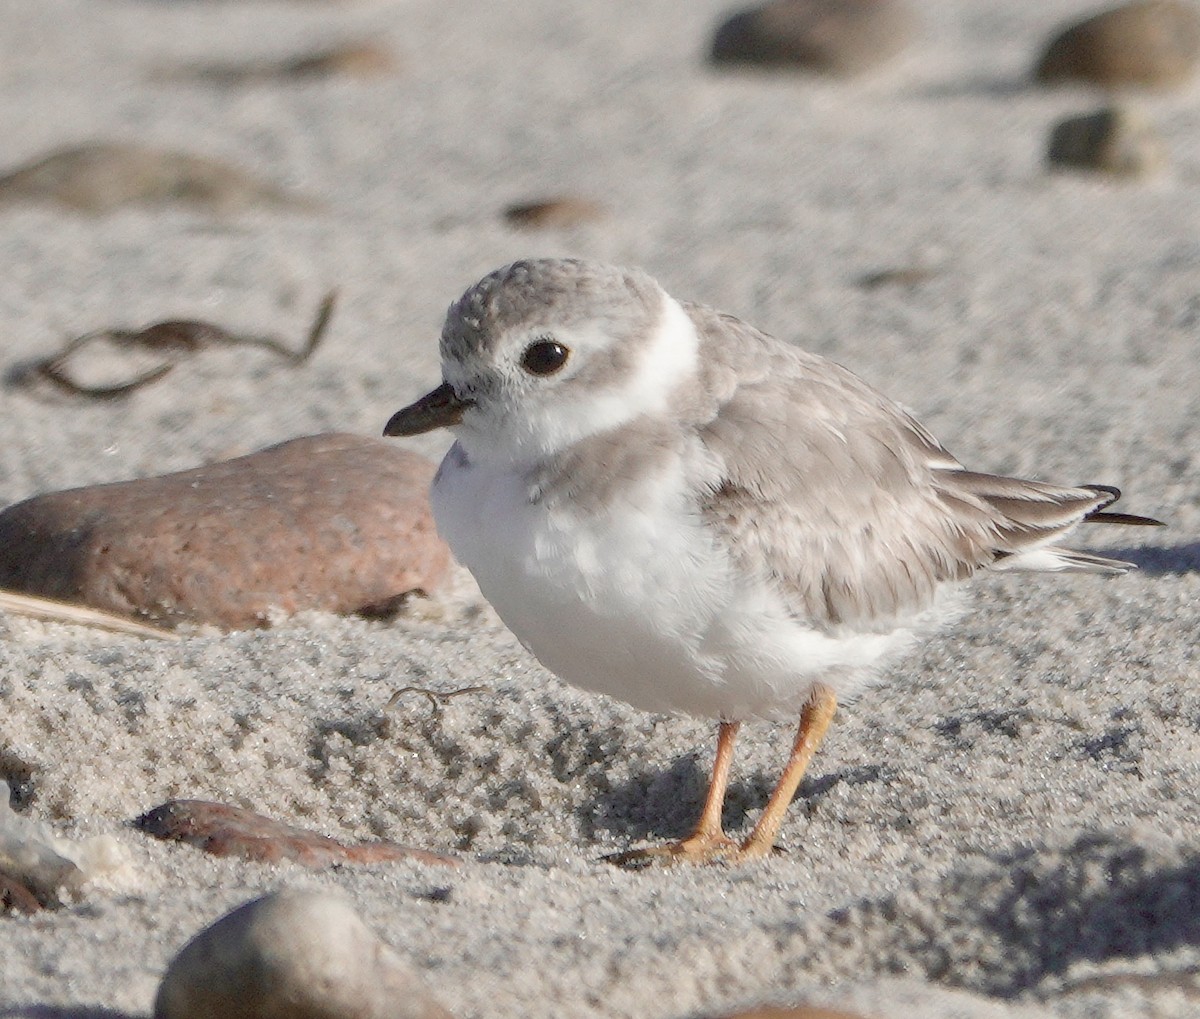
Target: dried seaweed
{"type": "Point", "coordinates": [177, 336]}
{"type": "Point", "coordinates": [436, 697]}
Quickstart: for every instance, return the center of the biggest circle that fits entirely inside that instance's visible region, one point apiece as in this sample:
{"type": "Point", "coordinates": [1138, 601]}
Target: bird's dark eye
{"type": "Point", "coordinates": [544, 357]}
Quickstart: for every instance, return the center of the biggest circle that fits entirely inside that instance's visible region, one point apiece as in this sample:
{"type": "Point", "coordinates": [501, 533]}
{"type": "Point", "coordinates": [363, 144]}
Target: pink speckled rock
{"type": "Point", "coordinates": [225, 830]}
{"type": "Point", "coordinates": [16, 897]}
{"type": "Point", "coordinates": [338, 523]}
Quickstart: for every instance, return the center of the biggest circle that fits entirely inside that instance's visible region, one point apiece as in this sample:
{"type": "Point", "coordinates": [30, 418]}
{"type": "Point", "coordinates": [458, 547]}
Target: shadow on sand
{"type": "Point", "coordinates": [1159, 560]}
{"type": "Point", "coordinates": [1052, 918]}
{"type": "Point", "coordinates": [660, 806]}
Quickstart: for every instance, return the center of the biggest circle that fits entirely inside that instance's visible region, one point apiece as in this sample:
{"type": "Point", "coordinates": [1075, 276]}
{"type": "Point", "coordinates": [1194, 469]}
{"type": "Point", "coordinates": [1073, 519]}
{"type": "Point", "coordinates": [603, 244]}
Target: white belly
{"type": "Point", "coordinates": [639, 603]}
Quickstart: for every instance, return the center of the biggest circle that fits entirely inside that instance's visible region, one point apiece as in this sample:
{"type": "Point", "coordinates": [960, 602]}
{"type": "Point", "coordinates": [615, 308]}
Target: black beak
{"type": "Point", "coordinates": [439, 409]}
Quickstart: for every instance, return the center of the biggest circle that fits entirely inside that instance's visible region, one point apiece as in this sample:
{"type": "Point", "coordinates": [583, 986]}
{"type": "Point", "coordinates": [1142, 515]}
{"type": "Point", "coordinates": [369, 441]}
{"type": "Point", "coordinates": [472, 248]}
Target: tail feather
{"type": "Point", "coordinates": [1098, 516]}
{"type": "Point", "coordinates": [1053, 559]}
{"type": "Point", "coordinates": [1126, 519]}
{"type": "Point", "coordinates": [1028, 517]}
{"type": "Point", "coordinates": [1089, 562]}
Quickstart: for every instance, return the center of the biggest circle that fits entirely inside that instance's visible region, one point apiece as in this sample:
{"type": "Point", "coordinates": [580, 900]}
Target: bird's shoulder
{"type": "Point", "coordinates": [792, 415]}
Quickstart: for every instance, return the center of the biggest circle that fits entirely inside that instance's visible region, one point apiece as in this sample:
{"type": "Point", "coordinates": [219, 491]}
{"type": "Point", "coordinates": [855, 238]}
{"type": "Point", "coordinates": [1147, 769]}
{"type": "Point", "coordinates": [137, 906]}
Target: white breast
{"type": "Point", "coordinates": [639, 603]}
{"type": "Point", "coordinates": [599, 602]}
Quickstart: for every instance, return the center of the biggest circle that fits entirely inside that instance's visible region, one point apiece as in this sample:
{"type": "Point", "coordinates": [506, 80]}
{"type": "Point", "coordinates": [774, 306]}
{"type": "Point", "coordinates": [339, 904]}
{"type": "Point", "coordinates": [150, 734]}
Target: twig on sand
{"type": "Point", "coordinates": [436, 697]}
{"type": "Point", "coordinates": [79, 615]}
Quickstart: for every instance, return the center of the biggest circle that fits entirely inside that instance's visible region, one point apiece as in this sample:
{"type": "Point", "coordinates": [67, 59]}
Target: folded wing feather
{"type": "Point", "coordinates": [849, 505]}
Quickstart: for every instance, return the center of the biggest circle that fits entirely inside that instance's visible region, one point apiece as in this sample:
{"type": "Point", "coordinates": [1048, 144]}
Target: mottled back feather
{"type": "Point", "coordinates": [843, 500]}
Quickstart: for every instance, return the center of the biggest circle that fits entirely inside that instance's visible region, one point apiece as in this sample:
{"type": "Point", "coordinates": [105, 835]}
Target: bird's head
{"type": "Point", "coordinates": [543, 353]}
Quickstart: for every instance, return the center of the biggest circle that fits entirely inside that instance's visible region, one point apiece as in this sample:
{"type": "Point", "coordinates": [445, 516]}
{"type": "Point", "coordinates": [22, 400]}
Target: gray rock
{"type": "Point", "coordinates": [1115, 140]}
{"type": "Point", "coordinates": [337, 523]}
{"type": "Point", "coordinates": [292, 954]}
{"type": "Point", "coordinates": [1154, 43]}
{"type": "Point", "coordinates": [838, 37]}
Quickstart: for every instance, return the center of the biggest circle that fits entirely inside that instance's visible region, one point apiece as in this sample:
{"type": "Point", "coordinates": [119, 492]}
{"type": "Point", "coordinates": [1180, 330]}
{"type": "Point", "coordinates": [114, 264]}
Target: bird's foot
{"type": "Point", "coordinates": [710, 849]}
{"type": "Point", "coordinates": [696, 849]}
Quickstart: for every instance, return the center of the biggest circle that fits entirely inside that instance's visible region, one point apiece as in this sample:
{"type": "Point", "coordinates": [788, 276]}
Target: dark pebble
{"type": "Point", "coordinates": [224, 830]}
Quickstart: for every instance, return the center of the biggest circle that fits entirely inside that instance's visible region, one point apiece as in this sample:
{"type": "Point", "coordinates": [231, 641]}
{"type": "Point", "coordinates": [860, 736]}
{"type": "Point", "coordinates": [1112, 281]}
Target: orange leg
{"type": "Point", "coordinates": [708, 840]}
{"type": "Point", "coordinates": [814, 720]}
{"type": "Point", "coordinates": [708, 829]}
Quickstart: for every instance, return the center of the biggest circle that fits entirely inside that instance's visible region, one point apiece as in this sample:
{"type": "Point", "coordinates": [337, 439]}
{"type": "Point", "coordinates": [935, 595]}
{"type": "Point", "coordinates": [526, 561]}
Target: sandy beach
{"type": "Point", "coordinates": [1005, 827]}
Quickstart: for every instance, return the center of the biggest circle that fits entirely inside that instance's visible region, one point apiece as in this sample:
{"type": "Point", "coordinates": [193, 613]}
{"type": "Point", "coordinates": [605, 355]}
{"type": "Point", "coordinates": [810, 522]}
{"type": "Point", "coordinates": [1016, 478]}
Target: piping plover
{"type": "Point", "coordinates": [668, 506]}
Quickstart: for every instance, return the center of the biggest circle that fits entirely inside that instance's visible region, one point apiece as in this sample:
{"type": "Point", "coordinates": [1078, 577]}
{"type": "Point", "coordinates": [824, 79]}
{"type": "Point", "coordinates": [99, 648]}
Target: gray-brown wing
{"type": "Point", "coordinates": [841, 498]}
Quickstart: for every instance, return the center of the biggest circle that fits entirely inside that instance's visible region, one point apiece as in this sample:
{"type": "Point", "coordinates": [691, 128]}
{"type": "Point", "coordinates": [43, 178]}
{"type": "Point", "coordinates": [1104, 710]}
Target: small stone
{"type": "Point", "coordinates": [16, 897]}
{"type": "Point", "coordinates": [335, 523]}
{"type": "Point", "coordinates": [349, 60]}
{"type": "Point", "coordinates": [105, 176]}
{"type": "Point", "coordinates": [33, 869]}
{"type": "Point", "coordinates": [899, 276]}
{"type": "Point", "coordinates": [356, 60]}
{"type": "Point", "coordinates": [1155, 43]}
{"type": "Point", "coordinates": [224, 830]}
{"type": "Point", "coordinates": [1115, 141]}
{"type": "Point", "coordinates": [551, 213]}
{"type": "Point", "coordinates": [292, 954]}
{"type": "Point", "coordinates": [837, 37]}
